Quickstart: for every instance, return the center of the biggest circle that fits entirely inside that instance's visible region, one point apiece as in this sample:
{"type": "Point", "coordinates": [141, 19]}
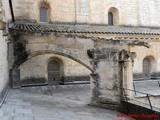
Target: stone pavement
{"type": "Point", "coordinates": [147, 86]}
{"type": "Point", "coordinates": [51, 103]}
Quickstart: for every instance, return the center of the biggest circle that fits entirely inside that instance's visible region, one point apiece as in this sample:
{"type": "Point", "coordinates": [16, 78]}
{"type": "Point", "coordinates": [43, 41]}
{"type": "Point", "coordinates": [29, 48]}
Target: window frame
{"type": "Point", "coordinates": [110, 18]}
{"type": "Point", "coordinates": [41, 12]}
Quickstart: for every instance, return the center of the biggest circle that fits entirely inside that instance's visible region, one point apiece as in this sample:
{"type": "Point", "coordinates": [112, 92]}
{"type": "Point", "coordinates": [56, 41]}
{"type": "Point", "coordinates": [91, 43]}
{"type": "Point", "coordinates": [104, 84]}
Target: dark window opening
{"type": "Point", "coordinates": [110, 18]}
{"type": "Point", "coordinates": [43, 14]}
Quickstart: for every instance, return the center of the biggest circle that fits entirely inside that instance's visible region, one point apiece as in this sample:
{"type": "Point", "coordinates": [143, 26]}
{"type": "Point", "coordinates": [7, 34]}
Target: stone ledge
{"type": "Point", "coordinates": [105, 105]}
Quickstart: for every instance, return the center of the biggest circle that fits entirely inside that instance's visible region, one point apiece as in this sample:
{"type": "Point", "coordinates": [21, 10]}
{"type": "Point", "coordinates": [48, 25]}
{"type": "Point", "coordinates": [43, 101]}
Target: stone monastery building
{"type": "Point", "coordinates": [107, 42]}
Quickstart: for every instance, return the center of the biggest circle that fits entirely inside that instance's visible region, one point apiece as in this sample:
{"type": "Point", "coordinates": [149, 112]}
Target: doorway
{"type": "Point", "coordinates": [54, 72]}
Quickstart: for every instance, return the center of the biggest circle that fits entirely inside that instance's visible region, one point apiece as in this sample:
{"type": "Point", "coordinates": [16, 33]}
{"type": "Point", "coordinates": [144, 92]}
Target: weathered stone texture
{"type": "Point", "coordinates": [130, 12]}
{"type": "Point", "coordinates": [3, 55]}
{"type": "Point", "coordinates": [36, 67]}
{"type": "Point", "coordinates": [61, 11]}
{"type": "Point", "coordinates": [111, 64]}
{"type": "Point", "coordinates": [143, 52]}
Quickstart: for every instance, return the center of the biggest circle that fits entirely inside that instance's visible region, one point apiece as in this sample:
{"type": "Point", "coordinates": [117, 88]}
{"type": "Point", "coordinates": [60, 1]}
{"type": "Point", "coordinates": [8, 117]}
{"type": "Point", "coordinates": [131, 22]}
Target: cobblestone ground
{"type": "Point", "coordinates": [50, 103]}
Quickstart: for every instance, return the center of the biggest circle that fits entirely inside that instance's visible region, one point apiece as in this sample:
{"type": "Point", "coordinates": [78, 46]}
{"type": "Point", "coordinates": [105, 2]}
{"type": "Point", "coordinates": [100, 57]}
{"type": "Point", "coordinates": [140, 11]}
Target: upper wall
{"type": "Point", "coordinates": [129, 12]}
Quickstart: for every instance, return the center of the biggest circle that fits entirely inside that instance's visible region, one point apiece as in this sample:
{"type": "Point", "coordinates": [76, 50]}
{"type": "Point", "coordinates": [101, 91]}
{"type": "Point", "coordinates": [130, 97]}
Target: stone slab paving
{"type": "Point", "coordinates": [53, 103]}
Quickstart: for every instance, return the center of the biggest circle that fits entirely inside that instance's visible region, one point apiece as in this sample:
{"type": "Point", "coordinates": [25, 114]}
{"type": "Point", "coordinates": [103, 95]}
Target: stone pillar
{"type": "Point", "coordinates": [106, 90]}
{"type": "Point", "coordinates": [126, 59]}
{"type": "Point", "coordinates": [128, 78]}
{"type": "Point", "coordinates": [95, 87]}
{"type": "Point", "coordinates": [113, 71]}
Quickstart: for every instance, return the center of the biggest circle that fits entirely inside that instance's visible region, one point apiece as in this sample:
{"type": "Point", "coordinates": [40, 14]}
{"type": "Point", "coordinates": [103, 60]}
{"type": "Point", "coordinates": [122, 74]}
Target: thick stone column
{"type": "Point", "coordinates": [105, 81]}
{"type": "Point", "coordinates": [113, 71]}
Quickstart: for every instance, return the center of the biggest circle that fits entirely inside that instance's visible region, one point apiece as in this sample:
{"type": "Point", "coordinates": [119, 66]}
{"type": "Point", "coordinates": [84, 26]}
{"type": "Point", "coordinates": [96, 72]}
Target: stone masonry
{"type": "Point", "coordinates": [4, 82]}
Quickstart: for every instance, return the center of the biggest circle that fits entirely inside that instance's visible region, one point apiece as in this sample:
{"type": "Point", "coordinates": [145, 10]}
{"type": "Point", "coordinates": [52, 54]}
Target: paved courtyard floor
{"type": "Point", "coordinates": [148, 86]}
{"type": "Point", "coordinates": [50, 103]}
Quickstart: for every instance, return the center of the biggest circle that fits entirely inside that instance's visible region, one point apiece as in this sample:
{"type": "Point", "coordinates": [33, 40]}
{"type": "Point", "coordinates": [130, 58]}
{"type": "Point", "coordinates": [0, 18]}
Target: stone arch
{"type": "Point", "coordinates": [36, 53]}
{"type": "Point", "coordinates": [149, 65]}
{"type": "Point", "coordinates": [55, 70]}
{"type": "Point", "coordinates": [46, 6]}
{"type": "Point", "coordinates": [115, 14]}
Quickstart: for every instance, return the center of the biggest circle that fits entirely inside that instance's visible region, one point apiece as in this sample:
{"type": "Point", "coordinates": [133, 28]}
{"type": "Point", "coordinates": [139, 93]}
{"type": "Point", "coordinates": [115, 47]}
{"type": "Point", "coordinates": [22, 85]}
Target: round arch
{"type": "Point", "coordinates": [148, 65]}
{"type": "Point", "coordinates": [55, 70]}
{"type": "Point", "coordinates": [36, 53]}
{"type": "Point", "coordinates": [46, 6]}
{"type": "Point", "coordinates": [115, 10]}
{"type": "Point", "coordinates": [115, 14]}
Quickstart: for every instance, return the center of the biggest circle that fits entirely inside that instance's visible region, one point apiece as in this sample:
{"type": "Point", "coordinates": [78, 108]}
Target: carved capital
{"type": "Point", "coordinates": [125, 55]}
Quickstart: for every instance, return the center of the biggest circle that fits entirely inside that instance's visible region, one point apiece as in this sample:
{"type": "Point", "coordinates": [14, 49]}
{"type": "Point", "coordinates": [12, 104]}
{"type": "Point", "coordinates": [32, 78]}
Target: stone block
{"type": "Point", "coordinates": [2, 25]}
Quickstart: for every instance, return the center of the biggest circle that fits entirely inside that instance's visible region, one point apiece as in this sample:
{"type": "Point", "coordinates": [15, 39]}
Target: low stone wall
{"type": "Point", "coordinates": [138, 76]}
{"type": "Point", "coordinates": [142, 75]}
{"type": "Point", "coordinates": [76, 78]}
{"type": "Point", "coordinates": [39, 81]}
{"type": "Point", "coordinates": [155, 74]}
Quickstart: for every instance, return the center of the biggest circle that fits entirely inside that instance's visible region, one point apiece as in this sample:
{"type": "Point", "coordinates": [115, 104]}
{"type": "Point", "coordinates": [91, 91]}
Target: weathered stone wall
{"type": "Point", "coordinates": [113, 71]}
{"type": "Point", "coordinates": [61, 11]}
{"type": "Point", "coordinates": [130, 12]}
{"type": "Point", "coordinates": [3, 55]}
{"type": "Point", "coordinates": [37, 68]}
{"type": "Point", "coordinates": [7, 10]}
{"type": "Point", "coordinates": [153, 55]}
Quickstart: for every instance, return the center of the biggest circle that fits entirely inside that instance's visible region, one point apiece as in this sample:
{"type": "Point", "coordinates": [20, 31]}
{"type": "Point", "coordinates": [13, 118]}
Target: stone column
{"type": "Point", "coordinates": [126, 58]}
{"type": "Point", "coordinates": [105, 81]}
{"type": "Point", "coordinates": [95, 87]}
{"type": "Point", "coordinates": [128, 78]}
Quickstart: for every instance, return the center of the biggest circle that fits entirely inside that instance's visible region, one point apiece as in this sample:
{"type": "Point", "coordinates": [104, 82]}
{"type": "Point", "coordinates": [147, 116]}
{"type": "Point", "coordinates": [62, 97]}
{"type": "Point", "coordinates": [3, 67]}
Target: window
{"type": "Point", "coordinates": [110, 18]}
{"type": "Point", "coordinates": [43, 14]}
{"type": "Point", "coordinates": [113, 16]}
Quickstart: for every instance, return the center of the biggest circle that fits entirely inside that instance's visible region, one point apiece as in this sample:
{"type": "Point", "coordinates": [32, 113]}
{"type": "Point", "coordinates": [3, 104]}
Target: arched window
{"type": "Point", "coordinates": [43, 14]}
{"type": "Point", "coordinates": [113, 16]}
{"type": "Point", "coordinates": [110, 18]}
{"type": "Point", "coordinates": [146, 66]}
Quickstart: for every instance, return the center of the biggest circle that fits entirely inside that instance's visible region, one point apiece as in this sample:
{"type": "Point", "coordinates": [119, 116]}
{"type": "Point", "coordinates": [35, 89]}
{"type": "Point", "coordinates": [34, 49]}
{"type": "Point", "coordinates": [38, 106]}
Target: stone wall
{"type": "Point", "coordinates": [35, 69]}
{"type": "Point", "coordinates": [130, 12]}
{"type": "Point", "coordinates": [151, 53]}
{"type": "Point", "coordinates": [3, 55]}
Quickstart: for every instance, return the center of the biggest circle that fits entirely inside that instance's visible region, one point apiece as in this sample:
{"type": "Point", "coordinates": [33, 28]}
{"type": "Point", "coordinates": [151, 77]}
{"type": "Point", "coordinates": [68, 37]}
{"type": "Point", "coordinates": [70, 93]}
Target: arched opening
{"type": "Point", "coordinates": [110, 18]}
{"type": "Point", "coordinates": [55, 71]}
{"type": "Point", "coordinates": [148, 66]}
{"type": "Point", "coordinates": [43, 14]}
{"type": "Point", "coordinates": [44, 11]}
{"type": "Point", "coordinates": [113, 16]}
